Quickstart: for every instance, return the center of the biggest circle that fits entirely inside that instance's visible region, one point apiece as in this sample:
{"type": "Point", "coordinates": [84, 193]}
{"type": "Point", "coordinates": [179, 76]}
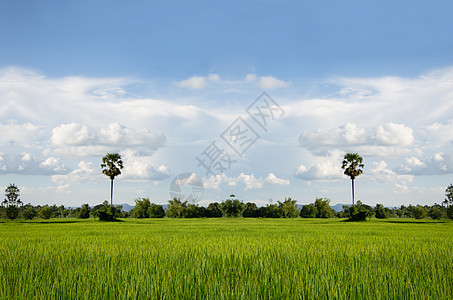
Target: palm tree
{"type": "Point", "coordinates": [112, 165]}
{"type": "Point", "coordinates": [352, 164]}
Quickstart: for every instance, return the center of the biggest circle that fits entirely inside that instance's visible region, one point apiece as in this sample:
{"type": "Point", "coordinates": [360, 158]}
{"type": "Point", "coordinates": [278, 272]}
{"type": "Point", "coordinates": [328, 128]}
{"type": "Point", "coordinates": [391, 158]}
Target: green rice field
{"type": "Point", "coordinates": [226, 259]}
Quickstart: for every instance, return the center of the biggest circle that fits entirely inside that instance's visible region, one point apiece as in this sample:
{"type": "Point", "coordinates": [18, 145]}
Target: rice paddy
{"type": "Point", "coordinates": [226, 259]}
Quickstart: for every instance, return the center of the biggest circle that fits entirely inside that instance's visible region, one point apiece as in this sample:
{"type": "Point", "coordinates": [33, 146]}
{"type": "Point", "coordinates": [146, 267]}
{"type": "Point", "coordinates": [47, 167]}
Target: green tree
{"type": "Point", "coordinates": [323, 208]}
{"type": "Point", "coordinates": [106, 213]}
{"type": "Point", "coordinates": [436, 212]}
{"type": "Point", "coordinates": [84, 212]}
{"type": "Point", "coordinates": [45, 212]}
{"type": "Point", "coordinates": [308, 211]}
{"type": "Point", "coordinates": [156, 211]}
{"type": "Point", "coordinates": [288, 208]}
{"type": "Point", "coordinates": [270, 211]}
{"type": "Point", "coordinates": [111, 167]}
{"type": "Point", "coordinates": [251, 210]}
{"type": "Point", "coordinates": [232, 207]}
{"type": "Point", "coordinates": [29, 213]}
{"type": "Point", "coordinates": [141, 208]}
{"type": "Point", "coordinates": [449, 195]}
{"type": "Point", "coordinates": [381, 212]}
{"type": "Point", "coordinates": [194, 211]}
{"type": "Point", "coordinates": [352, 165]}
{"type": "Point", "coordinates": [419, 212]}
{"type": "Point", "coordinates": [12, 201]}
{"type": "Point", "coordinates": [176, 208]}
{"type": "Point", "coordinates": [213, 210]}
{"type": "Point", "coordinates": [449, 201]}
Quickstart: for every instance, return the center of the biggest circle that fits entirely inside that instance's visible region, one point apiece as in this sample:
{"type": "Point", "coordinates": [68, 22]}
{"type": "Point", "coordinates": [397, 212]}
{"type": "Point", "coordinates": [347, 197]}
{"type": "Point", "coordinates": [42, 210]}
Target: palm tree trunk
{"type": "Point", "coordinates": [111, 192]}
{"type": "Point", "coordinates": [352, 191]}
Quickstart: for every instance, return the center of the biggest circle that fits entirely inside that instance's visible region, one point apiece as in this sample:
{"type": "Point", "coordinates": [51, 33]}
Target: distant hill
{"type": "Point", "coordinates": [338, 207]}
{"type": "Point", "coordinates": [126, 207]}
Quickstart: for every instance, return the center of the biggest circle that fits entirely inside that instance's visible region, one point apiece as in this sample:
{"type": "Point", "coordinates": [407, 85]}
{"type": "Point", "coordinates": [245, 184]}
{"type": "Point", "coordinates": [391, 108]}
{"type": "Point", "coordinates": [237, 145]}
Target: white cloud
{"type": "Point", "coordinates": [71, 134]}
{"type": "Point", "coordinates": [27, 164]}
{"type": "Point", "coordinates": [140, 168]}
{"type": "Point", "coordinates": [249, 181]}
{"type": "Point", "coordinates": [386, 139]}
{"type": "Point", "coordinates": [213, 77]}
{"type": "Point", "coordinates": [270, 83]}
{"type": "Point", "coordinates": [439, 163]}
{"type": "Point", "coordinates": [394, 134]}
{"type": "Point", "coordinates": [193, 83]}
{"type": "Point", "coordinates": [348, 134]}
{"type": "Point", "coordinates": [380, 172]}
{"type": "Point", "coordinates": [81, 140]}
{"type": "Point", "coordinates": [84, 173]}
{"type": "Point", "coordinates": [22, 133]}
{"type": "Point", "coordinates": [326, 168]}
{"type": "Point", "coordinates": [272, 179]}
{"type": "Point", "coordinates": [198, 82]}
{"type": "Point", "coordinates": [251, 77]}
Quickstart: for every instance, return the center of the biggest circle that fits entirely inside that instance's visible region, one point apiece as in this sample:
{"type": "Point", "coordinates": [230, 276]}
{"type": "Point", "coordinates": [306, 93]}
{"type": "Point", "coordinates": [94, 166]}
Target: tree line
{"type": "Point", "coordinates": [228, 208]}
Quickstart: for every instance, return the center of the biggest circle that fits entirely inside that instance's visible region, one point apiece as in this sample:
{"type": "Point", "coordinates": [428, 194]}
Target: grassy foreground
{"type": "Point", "coordinates": [226, 259]}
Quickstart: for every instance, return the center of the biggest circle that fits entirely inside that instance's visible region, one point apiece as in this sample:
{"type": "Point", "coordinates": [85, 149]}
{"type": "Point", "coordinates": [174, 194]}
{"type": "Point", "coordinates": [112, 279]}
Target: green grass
{"type": "Point", "coordinates": [226, 259]}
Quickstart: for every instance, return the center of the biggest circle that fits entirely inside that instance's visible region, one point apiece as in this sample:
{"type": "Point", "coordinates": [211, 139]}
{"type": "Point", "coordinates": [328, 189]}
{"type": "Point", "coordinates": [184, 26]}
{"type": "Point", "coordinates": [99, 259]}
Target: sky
{"type": "Point", "coordinates": [260, 99]}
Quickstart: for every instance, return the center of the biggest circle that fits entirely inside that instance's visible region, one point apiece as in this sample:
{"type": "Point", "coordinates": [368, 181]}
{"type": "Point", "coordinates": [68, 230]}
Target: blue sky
{"type": "Point", "coordinates": [160, 81]}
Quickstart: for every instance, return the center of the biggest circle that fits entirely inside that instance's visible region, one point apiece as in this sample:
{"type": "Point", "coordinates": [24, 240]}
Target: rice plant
{"type": "Point", "coordinates": [226, 259]}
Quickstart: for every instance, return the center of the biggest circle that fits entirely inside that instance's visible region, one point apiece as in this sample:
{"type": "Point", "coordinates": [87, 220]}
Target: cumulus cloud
{"type": "Point", "coordinates": [248, 180]}
{"type": "Point", "coordinates": [82, 140]}
{"type": "Point", "coordinates": [272, 179]}
{"type": "Point", "coordinates": [394, 134]}
{"type": "Point", "coordinates": [84, 173]}
{"type": "Point", "coordinates": [386, 139]}
{"type": "Point", "coordinates": [381, 173]}
{"type": "Point", "coordinates": [326, 168]}
{"type": "Point", "coordinates": [140, 168]}
{"type": "Point", "coordinates": [19, 132]}
{"type": "Point", "coordinates": [271, 83]}
{"type": "Point", "coordinates": [27, 164]}
{"type": "Point", "coordinates": [267, 82]}
{"type": "Point", "coordinates": [439, 163]}
{"type": "Point", "coordinates": [198, 82]}
{"type": "Point", "coordinates": [251, 77]}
